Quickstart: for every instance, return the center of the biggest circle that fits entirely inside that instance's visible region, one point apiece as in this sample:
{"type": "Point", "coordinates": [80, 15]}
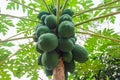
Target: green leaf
{"type": "Point", "coordinates": [4, 53]}
{"type": "Point", "coordinates": [7, 44]}
{"type": "Point", "coordinates": [104, 54]}
{"type": "Point", "coordinates": [5, 75]}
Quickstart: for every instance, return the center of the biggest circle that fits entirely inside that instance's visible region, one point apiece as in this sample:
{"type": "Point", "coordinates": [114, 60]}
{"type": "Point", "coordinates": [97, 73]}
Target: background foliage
{"type": "Point", "coordinates": [102, 43]}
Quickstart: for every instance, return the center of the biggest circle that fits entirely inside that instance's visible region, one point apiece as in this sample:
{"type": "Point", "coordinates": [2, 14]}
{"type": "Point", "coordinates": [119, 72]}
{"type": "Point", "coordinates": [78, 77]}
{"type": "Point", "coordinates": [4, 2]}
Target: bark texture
{"type": "Point", "coordinates": [58, 72]}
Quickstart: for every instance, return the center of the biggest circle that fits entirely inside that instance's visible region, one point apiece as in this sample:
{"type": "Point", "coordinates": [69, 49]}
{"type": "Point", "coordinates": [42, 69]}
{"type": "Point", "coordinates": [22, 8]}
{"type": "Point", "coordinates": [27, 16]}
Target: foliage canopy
{"type": "Point", "coordinates": [102, 43]}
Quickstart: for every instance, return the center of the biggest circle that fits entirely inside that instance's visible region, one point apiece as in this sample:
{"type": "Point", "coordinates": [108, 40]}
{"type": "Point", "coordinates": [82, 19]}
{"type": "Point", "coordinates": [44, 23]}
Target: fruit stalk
{"type": "Point", "coordinates": [58, 11]}
{"type": "Point", "coordinates": [64, 6]}
{"type": "Point", "coordinates": [7, 15]}
{"type": "Point", "coordinates": [58, 72]}
{"type": "Point", "coordinates": [96, 18]}
{"type": "Point", "coordinates": [46, 6]}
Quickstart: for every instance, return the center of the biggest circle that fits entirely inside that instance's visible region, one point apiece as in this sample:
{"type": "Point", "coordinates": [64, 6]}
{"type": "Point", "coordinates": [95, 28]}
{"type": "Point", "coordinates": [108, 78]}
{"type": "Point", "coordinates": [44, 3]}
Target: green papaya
{"type": "Point", "coordinates": [66, 45]}
{"type": "Point", "coordinates": [80, 54]}
{"type": "Point", "coordinates": [39, 60]}
{"type": "Point", "coordinates": [41, 14]}
{"type": "Point", "coordinates": [66, 75]}
{"type": "Point", "coordinates": [38, 50]}
{"type": "Point", "coordinates": [39, 25]}
{"type": "Point", "coordinates": [69, 12]}
{"type": "Point", "coordinates": [42, 29]}
{"type": "Point", "coordinates": [35, 38]}
{"type": "Point", "coordinates": [67, 56]}
{"type": "Point", "coordinates": [50, 21]}
{"type": "Point", "coordinates": [47, 42]}
{"type": "Point", "coordinates": [50, 60]}
{"type": "Point", "coordinates": [65, 17]}
{"type": "Point", "coordinates": [48, 72]}
{"type": "Point", "coordinates": [66, 29]}
{"type": "Point", "coordinates": [43, 19]}
{"type": "Point", "coordinates": [70, 67]}
{"type": "Point", "coordinates": [54, 10]}
{"type": "Point", "coordinates": [73, 39]}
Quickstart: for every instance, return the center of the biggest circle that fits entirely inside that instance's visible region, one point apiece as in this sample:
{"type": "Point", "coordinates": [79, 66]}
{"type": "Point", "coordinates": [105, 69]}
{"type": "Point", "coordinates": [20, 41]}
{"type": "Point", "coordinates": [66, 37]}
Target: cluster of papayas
{"type": "Point", "coordinates": [58, 40]}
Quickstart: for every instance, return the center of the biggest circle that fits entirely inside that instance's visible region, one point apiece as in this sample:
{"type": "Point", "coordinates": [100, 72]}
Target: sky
{"type": "Point", "coordinates": [12, 30]}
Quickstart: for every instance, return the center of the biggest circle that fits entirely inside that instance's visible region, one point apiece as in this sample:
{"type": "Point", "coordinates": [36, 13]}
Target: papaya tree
{"type": "Point", "coordinates": [65, 39]}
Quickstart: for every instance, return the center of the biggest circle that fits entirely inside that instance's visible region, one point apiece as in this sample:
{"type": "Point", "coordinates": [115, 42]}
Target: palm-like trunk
{"type": "Point", "coordinates": [58, 72]}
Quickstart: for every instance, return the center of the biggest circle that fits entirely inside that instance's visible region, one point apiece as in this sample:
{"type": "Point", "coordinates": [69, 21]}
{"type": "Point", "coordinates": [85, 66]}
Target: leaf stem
{"type": "Point", "coordinates": [108, 7]}
{"type": "Point", "coordinates": [53, 3]}
{"type": "Point", "coordinates": [16, 39]}
{"type": "Point", "coordinates": [40, 78]}
{"type": "Point", "coordinates": [25, 5]}
{"type": "Point", "coordinates": [58, 11]}
{"type": "Point", "coordinates": [87, 30]}
{"type": "Point", "coordinates": [64, 6]}
{"type": "Point", "coordinates": [93, 19]}
{"type": "Point", "coordinates": [19, 33]}
{"type": "Point", "coordinates": [100, 36]}
{"type": "Point", "coordinates": [46, 6]}
{"type": "Point", "coordinates": [85, 11]}
{"type": "Point", "coordinates": [19, 17]}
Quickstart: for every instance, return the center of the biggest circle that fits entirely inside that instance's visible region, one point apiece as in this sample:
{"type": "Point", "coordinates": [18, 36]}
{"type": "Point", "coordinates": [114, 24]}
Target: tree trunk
{"type": "Point", "coordinates": [58, 72]}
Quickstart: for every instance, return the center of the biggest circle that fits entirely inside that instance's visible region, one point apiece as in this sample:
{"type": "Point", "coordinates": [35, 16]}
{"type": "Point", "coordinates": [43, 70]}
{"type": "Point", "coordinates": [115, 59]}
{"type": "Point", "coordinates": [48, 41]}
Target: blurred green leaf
{"type": "Point", "coordinates": [7, 44]}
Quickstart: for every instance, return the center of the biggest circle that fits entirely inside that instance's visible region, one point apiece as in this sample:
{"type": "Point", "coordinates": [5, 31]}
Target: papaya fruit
{"type": "Point", "coordinates": [54, 10]}
{"type": "Point", "coordinates": [39, 60]}
{"type": "Point", "coordinates": [48, 72]}
{"type": "Point", "coordinates": [69, 12]}
{"type": "Point", "coordinates": [42, 29]}
{"type": "Point", "coordinates": [66, 75]}
{"type": "Point", "coordinates": [80, 54]}
{"type": "Point", "coordinates": [50, 21]}
{"type": "Point", "coordinates": [66, 29]}
{"type": "Point", "coordinates": [39, 25]}
{"type": "Point", "coordinates": [43, 19]}
{"type": "Point", "coordinates": [41, 14]}
{"type": "Point", "coordinates": [35, 38]}
{"type": "Point", "coordinates": [70, 67]}
{"type": "Point", "coordinates": [66, 45]}
{"type": "Point", "coordinates": [48, 42]}
{"type": "Point", "coordinates": [65, 17]}
{"type": "Point", "coordinates": [73, 39]}
{"type": "Point", "coordinates": [67, 56]}
{"type": "Point", "coordinates": [50, 60]}
{"type": "Point", "coordinates": [37, 34]}
{"type": "Point", "coordinates": [38, 50]}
